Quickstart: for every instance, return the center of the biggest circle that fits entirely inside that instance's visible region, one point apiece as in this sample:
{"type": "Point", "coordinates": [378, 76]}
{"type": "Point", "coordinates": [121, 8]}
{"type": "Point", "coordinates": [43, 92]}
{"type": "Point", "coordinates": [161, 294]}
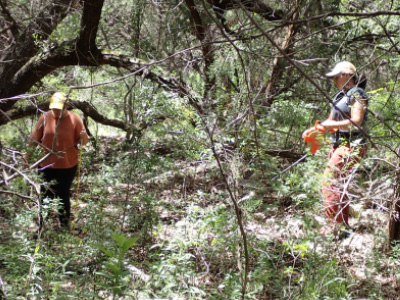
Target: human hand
{"type": "Point", "coordinates": [83, 138]}
{"type": "Point", "coordinates": [307, 132]}
{"type": "Point", "coordinates": [316, 127]}
{"type": "Point", "coordinates": [320, 127]}
{"type": "Point", "coordinates": [315, 138]}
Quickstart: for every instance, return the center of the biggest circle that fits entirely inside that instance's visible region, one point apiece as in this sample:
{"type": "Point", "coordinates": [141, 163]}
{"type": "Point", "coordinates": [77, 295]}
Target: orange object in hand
{"type": "Point", "coordinates": [315, 139]}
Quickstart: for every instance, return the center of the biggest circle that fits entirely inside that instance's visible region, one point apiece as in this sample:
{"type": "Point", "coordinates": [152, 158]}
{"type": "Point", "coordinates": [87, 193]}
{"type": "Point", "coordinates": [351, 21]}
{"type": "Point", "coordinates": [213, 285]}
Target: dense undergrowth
{"type": "Point", "coordinates": [212, 115]}
{"type": "Point", "coordinates": [154, 216]}
{"type": "Point", "coordinates": [149, 226]}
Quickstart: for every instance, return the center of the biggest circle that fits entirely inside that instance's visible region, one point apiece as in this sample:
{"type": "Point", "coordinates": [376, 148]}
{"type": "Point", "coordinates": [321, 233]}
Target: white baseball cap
{"type": "Point", "coordinates": [343, 67]}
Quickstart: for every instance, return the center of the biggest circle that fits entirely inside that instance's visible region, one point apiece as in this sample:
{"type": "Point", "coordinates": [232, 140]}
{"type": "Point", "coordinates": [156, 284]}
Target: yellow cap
{"type": "Point", "coordinates": [57, 100]}
{"type": "Point", "coordinates": [343, 67]}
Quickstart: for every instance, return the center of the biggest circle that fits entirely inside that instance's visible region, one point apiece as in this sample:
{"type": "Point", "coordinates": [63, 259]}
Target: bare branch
{"type": "Point", "coordinates": [16, 194]}
{"type": "Point", "coordinates": [92, 112]}
{"type": "Point", "coordinates": [365, 134]}
{"type": "Point", "coordinates": [37, 69]}
{"type": "Point", "coordinates": [85, 107]}
{"type": "Point", "coordinates": [365, 15]}
{"type": "Point", "coordinates": [18, 172]}
{"type": "Point", "coordinates": [255, 6]}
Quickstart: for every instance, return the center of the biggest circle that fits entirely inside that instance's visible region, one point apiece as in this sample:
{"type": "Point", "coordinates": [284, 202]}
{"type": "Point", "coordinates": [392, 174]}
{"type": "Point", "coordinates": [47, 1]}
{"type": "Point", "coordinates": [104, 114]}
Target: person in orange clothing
{"type": "Point", "coordinates": [348, 144]}
{"type": "Point", "coordinates": [59, 132]}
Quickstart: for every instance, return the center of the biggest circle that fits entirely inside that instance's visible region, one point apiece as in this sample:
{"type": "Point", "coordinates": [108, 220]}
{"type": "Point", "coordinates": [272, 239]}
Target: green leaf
{"type": "Point", "coordinates": [115, 269]}
{"type": "Point", "coordinates": [104, 250]}
{"type": "Point", "coordinates": [106, 276]}
{"type": "Point", "coordinates": [119, 238]}
{"type": "Point", "coordinates": [129, 243]}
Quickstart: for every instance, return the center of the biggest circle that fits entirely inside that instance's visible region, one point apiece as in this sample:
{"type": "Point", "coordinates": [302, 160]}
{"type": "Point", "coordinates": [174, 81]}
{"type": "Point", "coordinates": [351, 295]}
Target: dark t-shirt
{"type": "Point", "coordinates": [342, 110]}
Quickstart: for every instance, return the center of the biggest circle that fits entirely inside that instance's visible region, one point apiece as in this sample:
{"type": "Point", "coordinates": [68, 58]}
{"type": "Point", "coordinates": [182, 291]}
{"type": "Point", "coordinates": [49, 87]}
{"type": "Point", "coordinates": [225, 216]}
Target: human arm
{"type": "Point", "coordinates": [317, 126]}
{"type": "Point", "coordinates": [81, 136]}
{"type": "Point", "coordinates": [35, 138]}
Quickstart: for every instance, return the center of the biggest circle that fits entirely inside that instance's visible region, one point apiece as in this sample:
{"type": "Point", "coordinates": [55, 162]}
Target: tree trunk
{"type": "Point", "coordinates": [280, 62]}
{"type": "Point", "coordinates": [394, 222]}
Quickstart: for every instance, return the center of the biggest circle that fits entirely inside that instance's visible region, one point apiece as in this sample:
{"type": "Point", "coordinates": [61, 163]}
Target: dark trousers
{"type": "Point", "coordinates": [60, 184]}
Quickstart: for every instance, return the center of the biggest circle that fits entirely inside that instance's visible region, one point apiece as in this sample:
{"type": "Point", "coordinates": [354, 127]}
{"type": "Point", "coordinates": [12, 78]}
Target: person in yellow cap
{"type": "Point", "coordinates": [60, 167]}
{"type": "Point", "coordinates": [348, 144]}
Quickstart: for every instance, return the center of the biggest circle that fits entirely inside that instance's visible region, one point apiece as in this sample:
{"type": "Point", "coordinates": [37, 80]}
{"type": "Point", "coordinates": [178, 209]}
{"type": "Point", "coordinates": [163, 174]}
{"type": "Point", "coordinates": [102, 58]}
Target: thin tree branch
{"type": "Point", "coordinates": [18, 172]}
{"type": "Point", "coordinates": [16, 194]}
{"type": "Point", "coordinates": [255, 6]}
{"type": "Point", "coordinates": [365, 15]}
{"type": "Point", "coordinates": [307, 77]}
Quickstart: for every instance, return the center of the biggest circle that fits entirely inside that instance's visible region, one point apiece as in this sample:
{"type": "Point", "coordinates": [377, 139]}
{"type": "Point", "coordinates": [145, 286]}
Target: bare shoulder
{"type": "Point", "coordinates": [359, 98]}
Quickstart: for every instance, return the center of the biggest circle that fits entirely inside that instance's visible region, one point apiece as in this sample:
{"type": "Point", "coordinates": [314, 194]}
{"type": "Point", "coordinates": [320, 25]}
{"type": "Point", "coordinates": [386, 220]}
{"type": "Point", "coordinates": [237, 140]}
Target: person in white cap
{"type": "Point", "coordinates": [348, 144]}
{"type": "Point", "coordinates": [60, 167]}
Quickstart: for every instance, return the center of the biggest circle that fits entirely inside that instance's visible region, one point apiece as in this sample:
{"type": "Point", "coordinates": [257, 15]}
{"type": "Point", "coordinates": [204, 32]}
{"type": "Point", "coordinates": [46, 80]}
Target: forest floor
{"type": "Point", "coordinates": [363, 253]}
{"type": "Point", "coordinates": [278, 221]}
{"type": "Point", "coordinates": [178, 215]}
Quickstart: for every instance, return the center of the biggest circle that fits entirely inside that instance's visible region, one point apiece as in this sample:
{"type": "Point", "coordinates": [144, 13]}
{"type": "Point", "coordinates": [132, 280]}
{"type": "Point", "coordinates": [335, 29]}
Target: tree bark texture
{"type": "Point", "coordinates": [280, 62]}
{"type": "Point", "coordinates": [26, 46]}
{"type": "Point", "coordinates": [24, 63]}
{"type": "Point", "coordinates": [20, 71]}
{"type": "Point", "coordinates": [394, 221]}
